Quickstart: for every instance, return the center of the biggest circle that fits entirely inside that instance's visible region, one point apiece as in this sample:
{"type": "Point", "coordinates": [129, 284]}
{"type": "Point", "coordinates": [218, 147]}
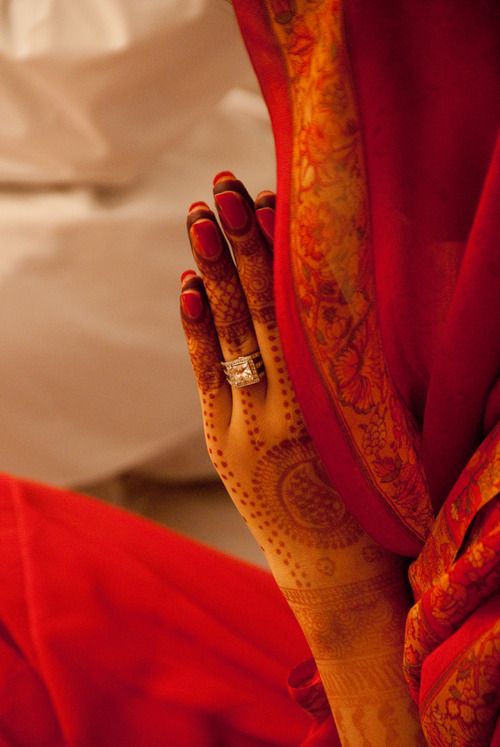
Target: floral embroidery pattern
{"type": "Point", "coordinates": [464, 710]}
{"type": "Point", "coordinates": [478, 484]}
{"type": "Point", "coordinates": [457, 573]}
{"type": "Point", "coordinates": [332, 267]}
{"type": "Point", "coordinates": [332, 257]}
{"type": "Point", "coordinates": [473, 578]}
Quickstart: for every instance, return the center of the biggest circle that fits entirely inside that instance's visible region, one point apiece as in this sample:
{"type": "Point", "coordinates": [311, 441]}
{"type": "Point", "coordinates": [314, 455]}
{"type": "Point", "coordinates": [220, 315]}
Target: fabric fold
{"type": "Point", "coordinates": [386, 267]}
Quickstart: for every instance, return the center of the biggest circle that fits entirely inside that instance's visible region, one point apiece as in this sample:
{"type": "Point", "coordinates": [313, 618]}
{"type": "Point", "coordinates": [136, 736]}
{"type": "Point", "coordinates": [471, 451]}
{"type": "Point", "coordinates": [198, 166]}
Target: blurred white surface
{"type": "Point", "coordinates": [115, 115]}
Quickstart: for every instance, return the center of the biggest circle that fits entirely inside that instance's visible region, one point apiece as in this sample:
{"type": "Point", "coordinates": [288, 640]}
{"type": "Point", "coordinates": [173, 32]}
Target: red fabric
{"type": "Point", "coordinates": [349, 476]}
{"type": "Point", "coordinates": [422, 74]}
{"type": "Point", "coordinates": [114, 631]}
{"type": "Point", "coordinates": [427, 83]}
{"type": "Point", "coordinates": [429, 88]}
{"type": "Point", "coordinates": [306, 689]}
{"type": "Point", "coordinates": [470, 654]}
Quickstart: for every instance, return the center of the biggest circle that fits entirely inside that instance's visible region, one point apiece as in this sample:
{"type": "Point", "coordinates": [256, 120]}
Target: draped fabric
{"type": "Point", "coordinates": [386, 119]}
{"type": "Point", "coordinates": [114, 631]}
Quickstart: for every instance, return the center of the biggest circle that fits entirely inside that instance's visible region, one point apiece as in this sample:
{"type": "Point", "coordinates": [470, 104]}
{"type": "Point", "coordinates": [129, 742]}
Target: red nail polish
{"type": "Point", "coordinates": [192, 304]}
{"type": "Point", "coordinates": [187, 274]}
{"type": "Point", "coordinates": [223, 175]}
{"type": "Point", "coordinates": [233, 210]}
{"type": "Point", "coordinates": [206, 239]}
{"type": "Point", "coordinates": [265, 217]}
{"type": "Point", "coordinates": [199, 204]}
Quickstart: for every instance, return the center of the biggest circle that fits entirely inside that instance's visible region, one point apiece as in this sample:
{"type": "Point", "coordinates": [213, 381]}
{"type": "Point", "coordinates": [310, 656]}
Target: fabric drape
{"type": "Point", "coordinates": [387, 270]}
{"type": "Point", "coordinates": [116, 631]}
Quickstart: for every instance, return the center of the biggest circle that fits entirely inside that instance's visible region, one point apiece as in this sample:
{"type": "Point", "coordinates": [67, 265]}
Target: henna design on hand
{"type": "Point", "coordinates": [292, 413]}
{"type": "Point", "coordinates": [202, 342]}
{"type": "Point", "coordinates": [258, 284]}
{"type": "Point", "coordinates": [341, 621]}
{"type": "Point", "coordinates": [227, 300]}
{"type": "Point", "coordinates": [368, 693]}
{"type": "Point", "coordinates": [255, 438]}
{"type": "Point", "coordinates": [313, 544]}
{"type": "Point", "coordinates": [253, 259]}
{"type": "Point", "coordinates": [209, 420]}
{"type": "Point", "coordinates": [298, 500]}
{"type": "Point", "coordinates": [326, 566]}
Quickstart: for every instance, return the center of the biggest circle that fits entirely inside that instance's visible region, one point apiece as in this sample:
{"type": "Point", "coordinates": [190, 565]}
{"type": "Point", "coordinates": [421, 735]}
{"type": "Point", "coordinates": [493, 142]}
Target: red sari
{"type": "Point", "coordinates": [386, 119]}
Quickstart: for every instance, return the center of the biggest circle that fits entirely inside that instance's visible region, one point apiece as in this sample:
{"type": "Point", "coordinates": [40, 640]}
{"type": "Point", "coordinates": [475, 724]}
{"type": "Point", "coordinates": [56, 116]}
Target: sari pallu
{"type": "Point", "coordinates": [386, 118]}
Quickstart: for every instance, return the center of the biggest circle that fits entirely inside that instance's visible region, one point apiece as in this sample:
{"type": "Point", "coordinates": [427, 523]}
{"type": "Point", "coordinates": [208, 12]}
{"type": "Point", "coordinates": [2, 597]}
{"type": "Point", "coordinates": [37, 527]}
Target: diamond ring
{"type": "Point", "coordinates": [245, 370]}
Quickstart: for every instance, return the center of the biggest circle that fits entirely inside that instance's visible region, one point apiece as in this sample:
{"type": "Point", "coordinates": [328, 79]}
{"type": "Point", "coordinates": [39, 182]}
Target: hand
{"type": "Point", "coordinates": [256, 435]}
{"type": "Point", "coordinates": [349, 596]}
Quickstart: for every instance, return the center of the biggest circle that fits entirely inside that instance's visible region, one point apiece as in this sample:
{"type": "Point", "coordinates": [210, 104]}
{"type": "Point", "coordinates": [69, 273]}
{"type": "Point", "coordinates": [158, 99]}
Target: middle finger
{"type": "Point", "coordinates": [251, 251]}
{"type": "Point", "coordinates": [227, 300]}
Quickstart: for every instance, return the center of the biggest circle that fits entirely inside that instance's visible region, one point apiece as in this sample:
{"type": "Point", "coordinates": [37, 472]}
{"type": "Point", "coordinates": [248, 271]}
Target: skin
{"type": "Point", "coordinates": [349, 595]}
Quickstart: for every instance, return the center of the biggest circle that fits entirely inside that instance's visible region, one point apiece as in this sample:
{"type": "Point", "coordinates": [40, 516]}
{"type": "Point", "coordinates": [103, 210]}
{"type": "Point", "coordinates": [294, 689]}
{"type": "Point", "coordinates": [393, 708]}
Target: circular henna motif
{"type": "Point", "coordinates": [297, 498]}
{"type": "Point", "coordinates": [325, 565]}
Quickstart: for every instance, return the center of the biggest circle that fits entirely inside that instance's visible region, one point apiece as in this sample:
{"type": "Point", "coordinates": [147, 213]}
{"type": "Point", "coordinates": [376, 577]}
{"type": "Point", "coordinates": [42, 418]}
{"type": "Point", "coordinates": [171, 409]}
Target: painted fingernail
{"type": "Point", "coordinates": [233, 209]}
{"type": "Point", "coordinates": [187, 274]}
{"type": "Point", "coordinates": [192, 304]}
{"type": "Point", "coordinates": [223, 175]}
{"type": "Point", "coordinates": [206, 239]}
{"type": "Point", "coordinates": [199, 204]}
{"type": "Point", "coordinates": [265, 218]}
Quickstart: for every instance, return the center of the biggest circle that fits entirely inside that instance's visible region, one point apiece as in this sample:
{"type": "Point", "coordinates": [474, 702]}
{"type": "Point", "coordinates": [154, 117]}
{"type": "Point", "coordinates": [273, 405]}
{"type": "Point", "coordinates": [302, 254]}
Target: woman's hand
{"type": "Point", "coordinates": [256, 435]}
{"type": "Point", "coordinates": [349, 595]}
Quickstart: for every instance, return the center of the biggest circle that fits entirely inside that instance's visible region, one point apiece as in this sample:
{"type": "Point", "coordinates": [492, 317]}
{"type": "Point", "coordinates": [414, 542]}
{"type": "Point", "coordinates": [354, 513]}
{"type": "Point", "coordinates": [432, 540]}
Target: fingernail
{"type": "Point", "coordinates": [199, 204]}
{"type": "Point", "coordinates": [265, 218]}
{"type": "Point", "coordinates": [234, 211]}
{"type": "Point", "coordinates": [264, 197]}
{"type": "Point", "coordinates": [187, 274]}
{"type": "Point", "coordinates": [192, 304]}
{"type": "Point", "coordinates": [206, 239]}
{"type": "Point", "coordinates": [223, 175]}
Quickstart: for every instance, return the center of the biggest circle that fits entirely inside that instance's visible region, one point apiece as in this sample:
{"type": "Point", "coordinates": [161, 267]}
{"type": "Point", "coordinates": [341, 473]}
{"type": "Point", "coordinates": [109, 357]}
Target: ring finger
{"type": "Point", "coordinates": [227, 300]}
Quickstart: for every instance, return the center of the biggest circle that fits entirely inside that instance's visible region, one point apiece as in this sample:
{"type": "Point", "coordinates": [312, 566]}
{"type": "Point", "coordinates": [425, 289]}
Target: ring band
{"type": "Point", "coordinates": [245, 370]}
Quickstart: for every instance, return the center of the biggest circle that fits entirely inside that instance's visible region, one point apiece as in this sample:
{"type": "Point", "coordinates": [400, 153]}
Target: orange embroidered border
{"type": "Point", "coordinates": [332, 255]}
{"type": "Point", "coordinates": [462, 706]}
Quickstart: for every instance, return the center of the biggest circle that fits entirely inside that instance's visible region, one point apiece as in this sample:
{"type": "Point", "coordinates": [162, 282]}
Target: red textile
{"type": "Point", "coordinates": [306, 688]}
{"type": "Point", "coordinates": [386, 119]}
{"type": "Point", "coordinates": [422, 73]}
{"type": "Point", "coordinates": [114, 631]}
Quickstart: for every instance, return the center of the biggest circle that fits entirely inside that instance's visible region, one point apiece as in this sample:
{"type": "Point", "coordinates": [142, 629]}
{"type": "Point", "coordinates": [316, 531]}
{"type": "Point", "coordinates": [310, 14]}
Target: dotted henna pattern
{"type": "Point", "coordinates": [208, 406]}
{"type": "Point", "coordinates": [251, 423]}
{"type": "Point", "coordinates": [298, 499]}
